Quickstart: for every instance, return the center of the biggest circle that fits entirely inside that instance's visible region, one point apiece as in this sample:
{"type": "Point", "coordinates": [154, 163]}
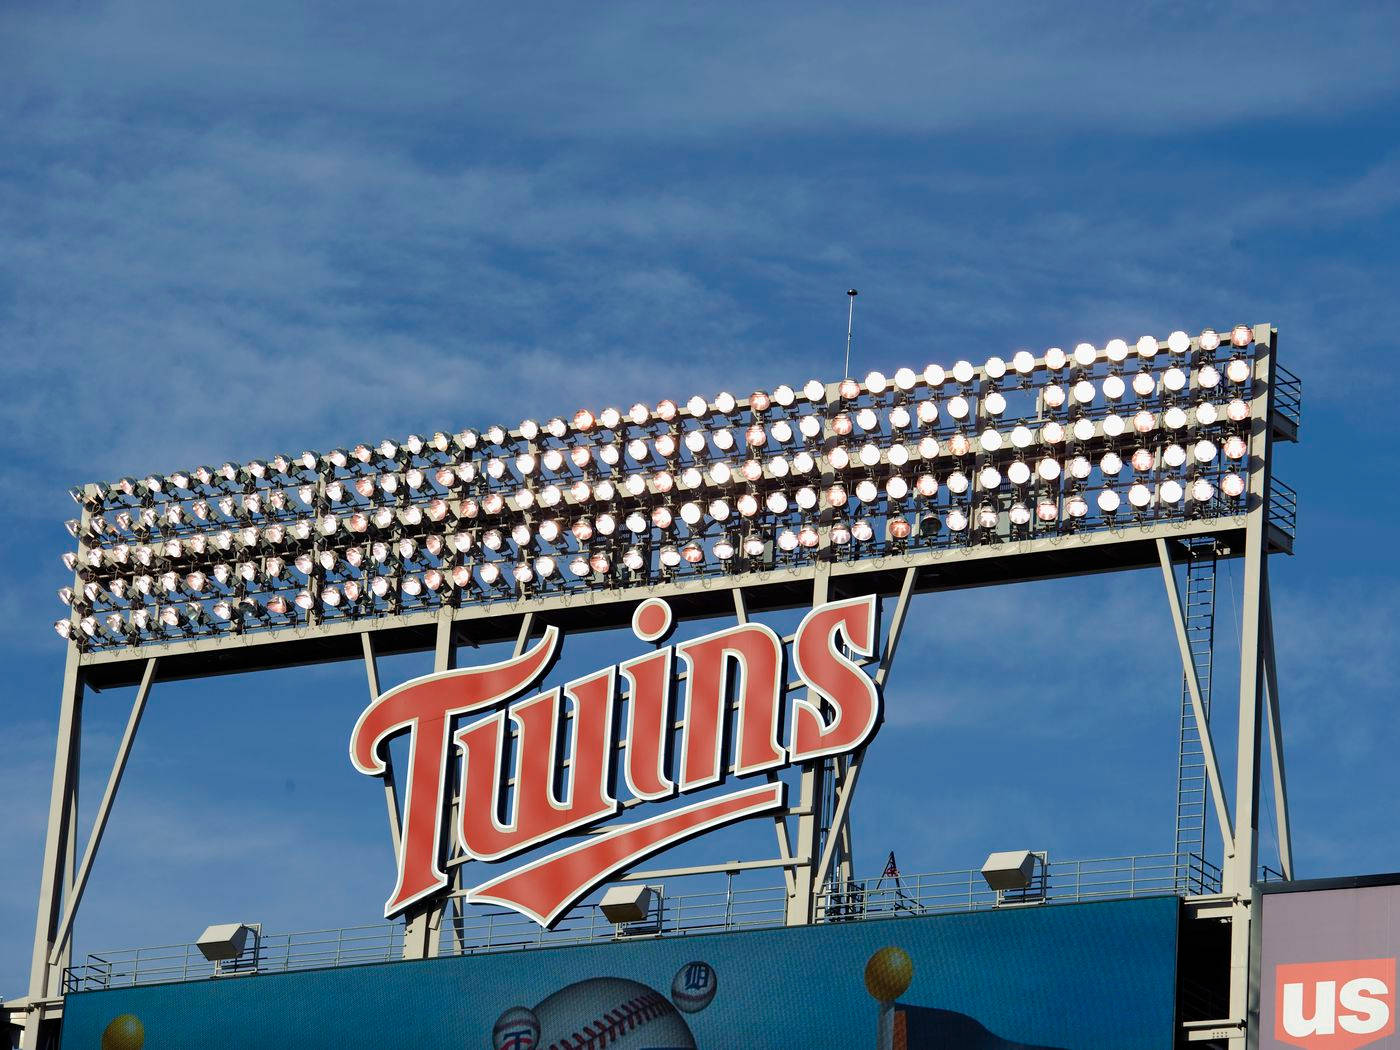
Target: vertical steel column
{"type": "Point", "coordinates": [423, 930]}
{"type": "Point", "coordinates": [62, 951]}
{"type": "Point", "coordinates": [1239, 870]}
{"type": "Point", "coordinates": [391, 795]}
{"type": "Point", "coordinates": [44, 977]}
{"type": "Point", "coordinates": [801, 905]}
{"type": "Point", "coordinates": [1275, 729]}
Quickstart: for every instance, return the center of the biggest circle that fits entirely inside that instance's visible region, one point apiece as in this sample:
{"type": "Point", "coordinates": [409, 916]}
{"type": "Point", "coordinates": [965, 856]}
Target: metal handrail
{"type": "Point", "coordinates": [1283, 507]}
{"type": "Point", "coordinates": [1288, 395]}
{"type": "Point", "coordinates": [680, 915]}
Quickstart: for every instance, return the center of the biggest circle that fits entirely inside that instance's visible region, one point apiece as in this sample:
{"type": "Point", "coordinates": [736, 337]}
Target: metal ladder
{"type": "Point", "coordinates": [1191, 784]}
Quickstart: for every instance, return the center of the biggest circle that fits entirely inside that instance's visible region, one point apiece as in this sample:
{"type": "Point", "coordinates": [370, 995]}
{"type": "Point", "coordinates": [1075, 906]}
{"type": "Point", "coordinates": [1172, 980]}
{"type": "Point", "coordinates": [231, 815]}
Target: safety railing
{"type": "Point", "coordinates": [1288, 395]}
{"type": "Point", "coordinates": [731, 908]}
{"type": "Point", "coordinates": [1057, 881]}
{"type": "Point", "coordinates": [1283, 507]}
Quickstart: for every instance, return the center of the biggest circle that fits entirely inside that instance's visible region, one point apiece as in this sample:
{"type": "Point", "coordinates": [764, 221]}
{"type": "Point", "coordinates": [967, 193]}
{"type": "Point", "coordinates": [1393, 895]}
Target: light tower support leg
{"type": "Point", "coordinates": [801, 906]}
{"type": "Point", "coordinates": [424, 926]}
{"type": "Point", "coordinates": [44, 978]}
{"type": "Point", "coordinates": [1275, 725]}
{"type": "Point", "coordinates": [1240, 869]}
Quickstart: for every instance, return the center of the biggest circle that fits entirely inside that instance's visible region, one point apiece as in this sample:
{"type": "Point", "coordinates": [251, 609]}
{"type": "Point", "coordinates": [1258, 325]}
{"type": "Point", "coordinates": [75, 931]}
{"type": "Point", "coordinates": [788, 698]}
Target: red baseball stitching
{"type": "Point", "coordinates": [615, 1023]}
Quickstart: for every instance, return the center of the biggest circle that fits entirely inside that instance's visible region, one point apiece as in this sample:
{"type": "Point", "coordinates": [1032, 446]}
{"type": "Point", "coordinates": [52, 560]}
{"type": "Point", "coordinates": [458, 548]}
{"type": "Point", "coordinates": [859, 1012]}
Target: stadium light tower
{"type": "Point", "coordinates": [1022, 466]}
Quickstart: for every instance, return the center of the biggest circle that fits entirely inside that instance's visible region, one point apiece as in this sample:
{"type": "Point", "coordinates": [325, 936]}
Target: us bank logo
{"type": "Point", "coordinates": [1334, 1005]}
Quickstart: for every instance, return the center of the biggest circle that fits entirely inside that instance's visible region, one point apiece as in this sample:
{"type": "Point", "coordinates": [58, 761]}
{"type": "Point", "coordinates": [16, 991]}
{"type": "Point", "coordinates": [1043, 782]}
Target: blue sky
{"type": "Point", "coordinates": [231, 230]}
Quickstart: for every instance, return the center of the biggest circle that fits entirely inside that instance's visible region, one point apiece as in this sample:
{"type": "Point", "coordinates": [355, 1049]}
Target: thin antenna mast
{"type": "Point", "coordinates": [850, 324]}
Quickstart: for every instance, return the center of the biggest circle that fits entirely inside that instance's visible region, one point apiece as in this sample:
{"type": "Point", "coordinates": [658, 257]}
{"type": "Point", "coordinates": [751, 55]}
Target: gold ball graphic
{"type": "Point", "coordinates": [888, 974]}
{"type": "Point", "coordinates": [124, 1033]}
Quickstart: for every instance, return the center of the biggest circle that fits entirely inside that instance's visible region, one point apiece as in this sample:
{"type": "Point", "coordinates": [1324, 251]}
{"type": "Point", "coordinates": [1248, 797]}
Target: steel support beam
{"type": "Point", "coordinates": [424, 922]}
{"type": "Point", "coordinates": [44, 978]}
{"type": "Point", "coordinates": [846, 791]}
{"type": "Point", "coordinates": [1275, 729]}
{"type": "Point", "coordinates": [391, 793]}
{"type": "Point", "coordinates": [104, 809]}
{"type": "Point", "coordinates": [780, 828]}
{"type": "Point", "coordinates": [801, 907]}
{"type": "Point", "coordinates": [1240, 869]}
{"type": "Point", "coordinates": [1217, 788]}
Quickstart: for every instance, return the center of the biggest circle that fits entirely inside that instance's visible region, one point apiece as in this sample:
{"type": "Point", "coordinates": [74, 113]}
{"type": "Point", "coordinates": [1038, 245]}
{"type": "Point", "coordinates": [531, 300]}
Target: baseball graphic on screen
{"type": "Point", "coordinates": [888, 973]}
{"type": "Point", "coordinates": [516, 1029]}
{"type": "Point", "coordinates": [694, 987]}
{"type": "Point", "coordinates": [612, 1012]}
{"type": "Point", "coordinates": [124, 1032]}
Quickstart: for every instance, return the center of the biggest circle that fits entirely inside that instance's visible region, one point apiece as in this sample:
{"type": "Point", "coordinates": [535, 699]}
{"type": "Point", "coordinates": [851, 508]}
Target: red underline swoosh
{"type": "Point", "coordinates": [546, 888]}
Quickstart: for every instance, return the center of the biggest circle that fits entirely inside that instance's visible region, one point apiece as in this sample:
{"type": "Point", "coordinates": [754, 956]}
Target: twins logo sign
{"type": "Point", "coordinates": [740, 668]}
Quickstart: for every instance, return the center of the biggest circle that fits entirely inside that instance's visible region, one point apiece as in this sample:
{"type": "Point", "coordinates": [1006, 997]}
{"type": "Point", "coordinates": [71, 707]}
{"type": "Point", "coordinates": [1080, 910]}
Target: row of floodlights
{"type": "Point", "coordinates": [839, 457]}
{"type": "Point", "coordinates": [957, 520]}
{"type": "Point", "coordinates": [1170, 492]}
{"type": "Point", "coordinates": [896, 487]}
{"type": "Point", "coordinates": [1023, 363]}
